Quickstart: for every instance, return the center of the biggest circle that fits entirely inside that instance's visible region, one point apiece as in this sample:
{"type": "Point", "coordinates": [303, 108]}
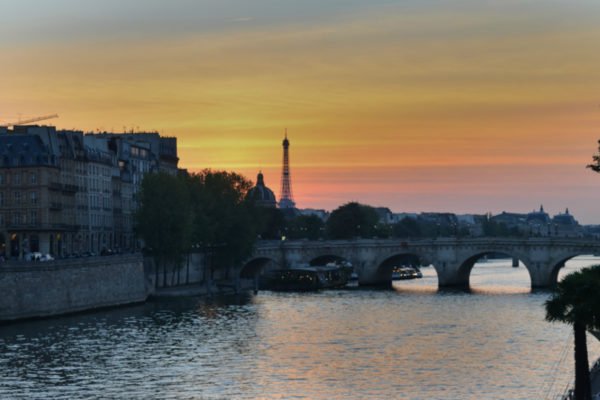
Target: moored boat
{"type": "Point", "coordinates": [306, 278]}
{"type": "Point", "coordinates": [403, 272]}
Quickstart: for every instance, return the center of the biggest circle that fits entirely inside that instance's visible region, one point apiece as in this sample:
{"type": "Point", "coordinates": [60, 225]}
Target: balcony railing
{"type": "Point", "coordinates": [54, 186]}
{"type": "Point", "coordinates": [70, 188]}
{"type": "Point", "coordinates": [36, 227]}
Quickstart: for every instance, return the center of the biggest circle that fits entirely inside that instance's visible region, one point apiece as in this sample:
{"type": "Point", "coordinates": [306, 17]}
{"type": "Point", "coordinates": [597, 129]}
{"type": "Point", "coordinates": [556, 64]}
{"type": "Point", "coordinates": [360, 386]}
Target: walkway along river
{"type": "Point", "coordinates": [413, 342]}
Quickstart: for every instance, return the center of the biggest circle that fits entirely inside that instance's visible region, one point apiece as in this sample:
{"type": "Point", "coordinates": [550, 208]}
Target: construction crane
{"type": "Point", "coordinates": [30, 120]}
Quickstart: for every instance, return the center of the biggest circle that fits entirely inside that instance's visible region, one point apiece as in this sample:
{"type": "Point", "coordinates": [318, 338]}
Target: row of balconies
{"type": "Point", "coordinates": [67, 188]}
{"type": "Point", "coordinates": [70, 188]}
{"type": "Point", "coordinates": [55, 206]}
{"type": "Point", "coordinates": [29, 226]}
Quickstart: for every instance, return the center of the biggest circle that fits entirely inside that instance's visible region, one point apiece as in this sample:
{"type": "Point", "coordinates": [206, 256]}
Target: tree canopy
{"type": "Point", "coordinates": [308, 227]}
{"type": "Point", "coordinates": [352, 220]}
{"type": "Point", "coordinates": [224, 222]}
{"type": "Point", "coordinates": [577, 299]}
{"type": "Point", "coordinates": [163, 217]}
{"type": "Point", "coordinates": [577, 302]}
{"type": "Point", "coordinates": [271, 222]}
{"type": "Point", "coordinates": [595, 165]}
{"type": "Point", "coordinates": [205, 210]}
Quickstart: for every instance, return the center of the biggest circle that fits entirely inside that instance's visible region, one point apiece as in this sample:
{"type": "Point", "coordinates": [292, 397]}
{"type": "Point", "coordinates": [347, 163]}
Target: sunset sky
{"type": "Point", "coordinates": [461, 106]}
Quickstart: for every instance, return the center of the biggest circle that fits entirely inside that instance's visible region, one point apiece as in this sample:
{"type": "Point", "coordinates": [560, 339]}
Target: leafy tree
{"type": "Point", "coordinates": [407, 228]}
{"type": "Point", "coordinates": [271, 222]}
{"type": "Point", "coordinates": [207, 209]}
{"type": "Point", "coordinates": [463, 231]}
{"type": "Point", "coordinates": [162, 219]}
{"type": "Point", "coordinates": [223, 222]}
{"type": "Point", "coordinates": [382, 230]}
{"type": "Point", "coordinates": [595, 165]}
{"type": "Point", "coordinates": [431, 229]}
{"type": "Point", "coordinates": [306, 227]}
{"type": "Point", "coordinates": [577, 302]}
{"type": "Point", "coordinates": [352, 220]}
{"type": "Point", "coordinates": [498, 229]}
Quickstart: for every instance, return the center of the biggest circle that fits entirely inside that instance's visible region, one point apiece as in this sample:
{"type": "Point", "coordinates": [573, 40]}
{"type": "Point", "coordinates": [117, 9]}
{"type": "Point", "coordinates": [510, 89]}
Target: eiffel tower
{"type": "Point", "coordinates": [286, 198]}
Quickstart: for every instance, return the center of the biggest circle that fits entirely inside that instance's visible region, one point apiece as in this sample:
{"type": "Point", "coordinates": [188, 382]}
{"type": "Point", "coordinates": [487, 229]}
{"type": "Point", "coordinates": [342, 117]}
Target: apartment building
{"type": "Point", "coordinates": [65, 192]}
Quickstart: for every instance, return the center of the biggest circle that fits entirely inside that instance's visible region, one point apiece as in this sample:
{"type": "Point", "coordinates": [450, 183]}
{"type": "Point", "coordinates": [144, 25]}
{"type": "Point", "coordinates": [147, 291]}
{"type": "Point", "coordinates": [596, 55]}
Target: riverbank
{"type": "Point", "coordinates": [66, 286]}
{"type": "Point", "coordinates": [37, 290]}
{"type": "Point", "coordinates": [219, 288]}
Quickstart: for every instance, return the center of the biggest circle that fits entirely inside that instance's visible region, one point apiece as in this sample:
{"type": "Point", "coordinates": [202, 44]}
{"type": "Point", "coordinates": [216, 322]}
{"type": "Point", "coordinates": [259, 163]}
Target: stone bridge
{"type": "Point", "coordinates": [452, 258]}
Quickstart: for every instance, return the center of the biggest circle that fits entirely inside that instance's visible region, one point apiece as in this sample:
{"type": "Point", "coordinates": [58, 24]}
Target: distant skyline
{"type": "Point", "coordinates": [458, 106]}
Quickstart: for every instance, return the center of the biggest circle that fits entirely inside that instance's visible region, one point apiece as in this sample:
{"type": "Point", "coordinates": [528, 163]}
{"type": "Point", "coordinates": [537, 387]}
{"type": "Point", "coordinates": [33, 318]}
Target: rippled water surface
{"type": "Point", "coordinates": [412, 342]}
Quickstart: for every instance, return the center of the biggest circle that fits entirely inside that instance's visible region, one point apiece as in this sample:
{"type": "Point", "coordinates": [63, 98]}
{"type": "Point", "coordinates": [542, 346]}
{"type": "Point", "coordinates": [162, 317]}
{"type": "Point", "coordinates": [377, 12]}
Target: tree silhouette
{"type": "Point", "coordinates": [352, 220]}
{"type": "Point", "coordinates": [223, 222]}
{"type": "Point", "coordinates": [595, 166]}
{"type": "Point", "coordinates": [163, 220]}
{"type": "Point", "coordinates": [577, 302]}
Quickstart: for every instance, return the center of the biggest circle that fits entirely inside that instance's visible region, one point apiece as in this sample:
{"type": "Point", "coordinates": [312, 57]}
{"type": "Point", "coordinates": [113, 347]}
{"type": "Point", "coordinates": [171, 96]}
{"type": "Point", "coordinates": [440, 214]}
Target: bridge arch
{"type": "Point", "coordinates": [465, 266]}
{"type": "Point", "coordinates": [558, 264]}
{"type": "Point", "coordinates": [386, 264]}
{"type": "Point", "coordinates": [255, 266]}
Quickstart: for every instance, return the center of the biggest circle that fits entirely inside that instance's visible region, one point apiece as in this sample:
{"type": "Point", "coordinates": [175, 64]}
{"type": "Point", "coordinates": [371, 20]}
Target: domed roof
{"type": "Point", "coordinates": [565, 219]}
{"type": "Point", "coordinates": [540, 217]}
{"type": "Point", "coordinates": [260, 194]}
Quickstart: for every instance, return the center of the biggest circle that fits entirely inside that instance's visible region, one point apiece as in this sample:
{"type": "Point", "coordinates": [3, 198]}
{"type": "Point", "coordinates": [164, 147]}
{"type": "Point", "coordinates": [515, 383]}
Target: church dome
{"type": "Point", "coordinates": [260, 194]}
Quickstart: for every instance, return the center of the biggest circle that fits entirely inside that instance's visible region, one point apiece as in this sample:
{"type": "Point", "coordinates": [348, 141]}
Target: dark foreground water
{"type": "Point", "coordinates": [409, 343]}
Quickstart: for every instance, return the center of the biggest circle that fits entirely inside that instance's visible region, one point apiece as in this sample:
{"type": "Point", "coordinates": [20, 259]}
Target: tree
{"type": "Point", "coordinates": [407, 228]}
{"type": "Point", "coordinates": [352, 220]}
{"type": "Point", "coordinates": [577, 302]}
{"type": "Point", "coordinates": [309, 227]}
{"type": "Point", "coordinates": [382, 230]}
{"type": "Point", "coordinates": [595, 166]}
{"type": "Point", "coordinates": [162, 220]}
{"type": "Point", "coordinates": [223, 222]}
{"type": "Point", "coordinates": [270, 221]}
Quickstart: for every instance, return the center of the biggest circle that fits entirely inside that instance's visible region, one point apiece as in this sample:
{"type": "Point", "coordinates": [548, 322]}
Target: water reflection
{"type": "Point", "coordinates": [410, 342]}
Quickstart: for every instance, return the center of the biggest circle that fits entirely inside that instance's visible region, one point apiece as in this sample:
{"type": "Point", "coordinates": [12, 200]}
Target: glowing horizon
{"type": "Point", "coordinates": [414, 105]}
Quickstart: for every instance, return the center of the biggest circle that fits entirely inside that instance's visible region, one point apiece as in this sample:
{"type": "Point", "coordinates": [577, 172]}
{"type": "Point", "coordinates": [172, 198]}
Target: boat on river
{"type": "Point", "coordinates": [305, 278]}
{"type": "Point", "coordinates": [403, 272]}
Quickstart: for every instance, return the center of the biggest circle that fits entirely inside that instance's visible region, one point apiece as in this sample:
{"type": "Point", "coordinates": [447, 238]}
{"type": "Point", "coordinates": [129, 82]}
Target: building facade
{"type": "Point", "coordinates": [66, 193]}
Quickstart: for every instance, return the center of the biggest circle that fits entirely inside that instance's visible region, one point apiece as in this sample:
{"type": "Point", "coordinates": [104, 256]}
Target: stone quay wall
{"type": "Point", "coordinates": [41, 289]}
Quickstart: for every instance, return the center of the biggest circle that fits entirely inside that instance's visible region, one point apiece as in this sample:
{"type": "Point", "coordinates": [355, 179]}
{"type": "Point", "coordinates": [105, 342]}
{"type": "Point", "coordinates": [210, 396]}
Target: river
{"type": "Point", "coordinates": [412, 342]}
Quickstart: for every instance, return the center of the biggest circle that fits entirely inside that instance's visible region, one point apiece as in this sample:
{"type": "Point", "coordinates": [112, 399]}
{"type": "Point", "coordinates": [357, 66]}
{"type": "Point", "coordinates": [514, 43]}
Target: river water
{"type": "Point", "coordinates": [412, 342]}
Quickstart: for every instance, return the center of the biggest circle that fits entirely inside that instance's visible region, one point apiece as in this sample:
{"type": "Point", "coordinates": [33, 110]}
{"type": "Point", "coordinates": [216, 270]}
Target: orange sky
{"type": "Point", "coordinates": [417, 105]}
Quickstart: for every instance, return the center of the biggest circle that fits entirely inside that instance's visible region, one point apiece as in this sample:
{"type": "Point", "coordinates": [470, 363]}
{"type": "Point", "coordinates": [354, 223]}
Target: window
{"type": "Point", "coordinates": [24, 219]}
{"type": "Point", "coordinates": [33, 178]}
{"type": "Point", "coordinates": [2, 178]}
{"type": "Point", "coordinates": [17, 198]}
{"type": "Point", "coordinates": [17, 179]}
{"type": "Point", "coordinates": [34, 198]}
{"type": "Point", "coordinates": [1, 199]}
{"type": "Point", "coordinates": [33, 217]}
{"type": "Point", "coordinates": [1, 219]}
